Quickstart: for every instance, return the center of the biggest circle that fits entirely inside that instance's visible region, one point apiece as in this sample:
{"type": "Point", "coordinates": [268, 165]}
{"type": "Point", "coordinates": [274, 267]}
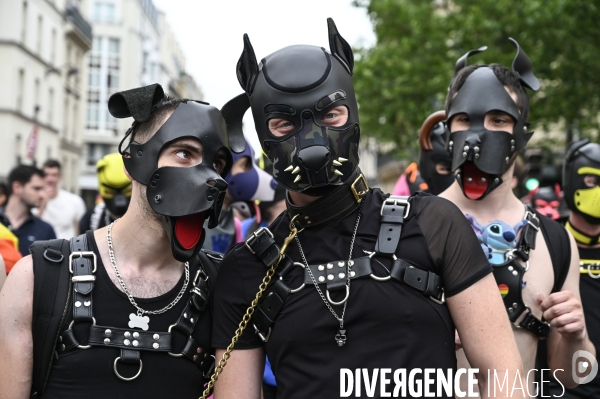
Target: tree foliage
{"type": "Point", "coordinates": [405, 76]}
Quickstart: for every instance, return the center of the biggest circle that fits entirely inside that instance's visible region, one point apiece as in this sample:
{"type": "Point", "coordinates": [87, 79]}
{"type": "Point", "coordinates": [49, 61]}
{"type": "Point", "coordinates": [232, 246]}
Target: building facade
{"type": "Point", "coordinates": [42, 46]}
{"type": "Point", "coordinates": [133, 46]}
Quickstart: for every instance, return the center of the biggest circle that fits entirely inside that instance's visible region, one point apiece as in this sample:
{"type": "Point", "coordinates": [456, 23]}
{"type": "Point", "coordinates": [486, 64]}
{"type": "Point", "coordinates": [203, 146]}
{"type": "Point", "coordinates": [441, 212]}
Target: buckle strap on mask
{"type": "Point", "coordinates": [342, 201]}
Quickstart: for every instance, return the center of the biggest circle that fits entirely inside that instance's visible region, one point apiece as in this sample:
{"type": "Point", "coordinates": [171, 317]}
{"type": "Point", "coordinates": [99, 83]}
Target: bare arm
{"type": "Point", "coordinates": [2, 272]}
{"type": "Point", "coordinates": [564, 312]}
{"type": "Point", "coordinates": [16, 345]}
{"type": "Point", "coordinates": [242, 377]}
{"type": "Point", "coordinates": [486, 335]}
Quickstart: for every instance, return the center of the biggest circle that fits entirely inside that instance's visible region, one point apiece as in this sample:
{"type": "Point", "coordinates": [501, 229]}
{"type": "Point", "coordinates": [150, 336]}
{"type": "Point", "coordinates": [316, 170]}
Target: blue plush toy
{"type": "Point", "coordinates": [496, 238]}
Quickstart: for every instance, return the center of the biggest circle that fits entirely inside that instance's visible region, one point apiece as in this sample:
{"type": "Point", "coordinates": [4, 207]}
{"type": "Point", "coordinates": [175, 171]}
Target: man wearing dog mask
{"type": "Point", "coordinates": [330, 255]}
{"type": "Point", "coordinates": [487, 109]}
{"type": "Point", "coordinates": [134, 317]}
{"type": "Point", "coordinates": [115, 189]}
{"type": "Point", "coordinates": [581, 180]}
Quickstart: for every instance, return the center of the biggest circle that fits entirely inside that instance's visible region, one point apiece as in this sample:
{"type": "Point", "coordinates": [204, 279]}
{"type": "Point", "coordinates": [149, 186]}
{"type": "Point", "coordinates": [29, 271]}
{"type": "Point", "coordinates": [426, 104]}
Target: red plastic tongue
{"type": "Point", "coordinates": [475, 182]}
{"type": "Point", "coordinates": [188, 230]}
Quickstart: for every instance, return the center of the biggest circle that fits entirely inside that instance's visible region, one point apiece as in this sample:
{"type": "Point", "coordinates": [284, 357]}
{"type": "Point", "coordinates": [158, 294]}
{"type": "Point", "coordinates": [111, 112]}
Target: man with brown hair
{"type": "Point", "coordinates": [61, 209]}
{"type": "Point", "coordinates": [487, 123]}
{"type": "Point", "coordinates": [130, 317]}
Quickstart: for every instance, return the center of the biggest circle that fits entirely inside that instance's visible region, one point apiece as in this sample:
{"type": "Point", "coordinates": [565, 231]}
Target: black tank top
{"type": "Point", "coordinates": [88, 373]}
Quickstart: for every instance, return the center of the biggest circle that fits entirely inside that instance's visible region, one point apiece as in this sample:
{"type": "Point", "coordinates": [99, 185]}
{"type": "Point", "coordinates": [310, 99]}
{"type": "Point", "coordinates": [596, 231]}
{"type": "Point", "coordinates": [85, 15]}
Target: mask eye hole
{"type": "Point", "coordinates": [211, 182]}
{"type": "Point", "coordinates": [591, 180]}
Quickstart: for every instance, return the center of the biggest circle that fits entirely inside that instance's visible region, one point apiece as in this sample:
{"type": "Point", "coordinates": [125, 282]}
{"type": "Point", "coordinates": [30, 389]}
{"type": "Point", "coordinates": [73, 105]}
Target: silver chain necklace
{"type": "Point", "coordinates": [139, 320]}
{"type": "Point", "coordinates": [340, 337]}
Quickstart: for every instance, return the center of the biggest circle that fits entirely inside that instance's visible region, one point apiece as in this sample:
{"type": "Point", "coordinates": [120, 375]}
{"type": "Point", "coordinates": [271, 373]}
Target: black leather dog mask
{"type": "Point", "coordinates": [302, 84]}
{"type": "Point", "coordinates": [483, 155]}
{"type": "Point", "coordinates": [184, 196]}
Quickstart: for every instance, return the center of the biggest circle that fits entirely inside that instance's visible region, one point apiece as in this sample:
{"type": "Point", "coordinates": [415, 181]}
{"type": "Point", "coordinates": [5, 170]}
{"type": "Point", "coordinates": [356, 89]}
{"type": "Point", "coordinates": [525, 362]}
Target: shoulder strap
{"type": "Point", "coordinates": [559, 246]}
{"type": "Point", "coordinates": [50, 295]}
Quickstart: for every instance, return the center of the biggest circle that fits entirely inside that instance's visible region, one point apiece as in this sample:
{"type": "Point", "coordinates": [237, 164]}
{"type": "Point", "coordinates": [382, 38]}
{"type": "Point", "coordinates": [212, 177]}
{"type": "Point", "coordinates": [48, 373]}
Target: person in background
{"type": "Point", "coordinates": [3, 194]}
{"type": "Point", "coordinates": [247, 183]}
{"type": "Point", "coordinates": [581, 182]}
{"type": "Point", "coordinates": [26, 185]}
{"type": "Point", "coordinates": [61, 209]}
{"type": "Point", "coordinates": [115, 190]}
{"type": "Point", "coordinates": [433, 172]}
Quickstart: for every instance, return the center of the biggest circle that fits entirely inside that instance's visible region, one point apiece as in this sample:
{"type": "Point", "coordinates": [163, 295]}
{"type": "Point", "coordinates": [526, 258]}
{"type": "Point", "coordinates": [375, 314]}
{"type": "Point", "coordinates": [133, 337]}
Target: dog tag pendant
{"type": "Point", "coordinates": [136, 321]}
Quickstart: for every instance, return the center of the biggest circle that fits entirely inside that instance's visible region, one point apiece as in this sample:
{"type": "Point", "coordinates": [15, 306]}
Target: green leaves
{"type": "Point", "coordinates": [404, 78]}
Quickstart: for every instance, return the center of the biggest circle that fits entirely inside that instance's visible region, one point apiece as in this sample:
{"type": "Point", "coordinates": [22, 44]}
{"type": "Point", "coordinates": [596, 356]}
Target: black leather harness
{"type": "Point", "coordinates": [82, 266]}
{"type": "Point", "coordinates": [511, 274]}
{"type": "Point", "coordinates": [332, 274]}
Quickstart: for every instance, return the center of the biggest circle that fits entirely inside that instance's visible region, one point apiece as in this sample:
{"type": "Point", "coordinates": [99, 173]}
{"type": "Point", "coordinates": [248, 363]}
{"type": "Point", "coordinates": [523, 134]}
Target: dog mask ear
{"type": "Point", "coordinates": [522, 67]}
{"type": "Point", "coordinates": [462, 62]}
{"type": "Point", "coordinates": [136, 103]}
{"type": "Point", "coordinates": [233, 113]}
{"type": "Point", "coordinates": [339, 47]}
{"type": "Point", "coordinates": [247, 67]}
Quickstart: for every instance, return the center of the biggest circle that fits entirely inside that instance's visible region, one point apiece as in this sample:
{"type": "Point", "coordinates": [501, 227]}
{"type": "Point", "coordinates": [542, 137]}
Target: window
{"type": "Point", "coordinates": [96, 152]}
{"type": "Point", "coordinates": [50, 106]}
{"type": "Point", "coordinates": [53, 48]}
{"type": "Point", "coordinates": [104, 12]}
{"type": "Point", "coordinates": [66, 117]}
{"type": "Point", "coordinates": [75, 122]}
{"type": "Point", "coordinates": [93, 116]}
{"type": "Point", "coordinates": [24, 23]}
{"type": "Point", "coordinates": [36, 101]}
{"type": "Point", "coordinates": [40, 34]}
{"type": "Point", "coordinates": [21, 90]}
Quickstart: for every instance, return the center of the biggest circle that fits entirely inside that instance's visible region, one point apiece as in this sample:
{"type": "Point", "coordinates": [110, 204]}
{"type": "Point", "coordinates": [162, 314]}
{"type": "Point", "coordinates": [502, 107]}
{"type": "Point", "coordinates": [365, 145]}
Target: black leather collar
{"type": "Point", "coordinates": [336, 205]}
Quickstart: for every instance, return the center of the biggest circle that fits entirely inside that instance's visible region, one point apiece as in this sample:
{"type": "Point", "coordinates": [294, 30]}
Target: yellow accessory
{"type": "Point", "coordinates": [112, 177]}
{"type": "Point", "coordinates": [588, 201]}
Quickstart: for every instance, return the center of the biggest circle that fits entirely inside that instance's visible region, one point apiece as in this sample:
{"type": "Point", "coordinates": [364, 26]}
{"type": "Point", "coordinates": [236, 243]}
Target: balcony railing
{"type": "Point", "coordinates": [81, 26]}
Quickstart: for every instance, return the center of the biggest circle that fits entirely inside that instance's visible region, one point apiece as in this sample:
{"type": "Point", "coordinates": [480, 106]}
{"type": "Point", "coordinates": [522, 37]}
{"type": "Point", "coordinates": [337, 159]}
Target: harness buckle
{"type": "Point", "coordinates": [88, 278]}
{"type": "Point", "coordinates": [392, 200]}
{"type": "Point", "coordinates": [359, 194]}
{"type": "Point", "coordinates": [340, 302]}
{"type": "Point", "coordinates": [261, 335]}
{"type": "Point", "coordinates": [440, 301]}
{"type": "Point", "coordinates": [254, 236]}
{"type": "Point", "coordinates": [82, 254]}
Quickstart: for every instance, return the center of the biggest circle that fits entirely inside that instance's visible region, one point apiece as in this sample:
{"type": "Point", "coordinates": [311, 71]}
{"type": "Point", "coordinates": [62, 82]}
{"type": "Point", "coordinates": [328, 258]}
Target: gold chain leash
{"type": "Point", "coordinates": [250, 311]}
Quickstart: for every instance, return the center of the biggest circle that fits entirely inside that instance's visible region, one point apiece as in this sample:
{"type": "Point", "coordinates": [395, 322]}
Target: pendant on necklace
{"type": "Point", "coordinates": [137, 321]}
{"type": "Point", "coordinates": [340, 337]}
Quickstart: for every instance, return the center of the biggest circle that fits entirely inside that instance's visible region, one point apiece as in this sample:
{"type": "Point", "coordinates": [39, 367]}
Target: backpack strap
{"type": "Point", "coordinates": [50, 303]}
{"type": "Point", "coordinates": [559, 247]}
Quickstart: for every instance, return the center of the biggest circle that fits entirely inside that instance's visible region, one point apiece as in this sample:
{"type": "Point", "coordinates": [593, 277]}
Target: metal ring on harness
{"type": "Point", "coordinates": [170, 353]}
{"type": "Point", "coordinates": [377, 278]}
{"type": "Point", "coordinates": [83, 346]}
{"type": "Point", "coordinates": [125, 378]}
{"type": "Point", "coordinates": [592, 275]}
{"type": "Point", "coordinates": [342, 301]}
{"type": "Point", "coordinates": [303, 285]}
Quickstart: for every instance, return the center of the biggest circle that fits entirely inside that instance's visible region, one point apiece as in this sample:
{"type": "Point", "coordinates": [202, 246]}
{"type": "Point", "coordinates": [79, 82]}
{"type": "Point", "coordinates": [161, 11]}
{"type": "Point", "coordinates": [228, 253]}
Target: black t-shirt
{"type": "Point", "coordinates": [389, 324]}
{"type": "Point", "coordinates": [88, 373]}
